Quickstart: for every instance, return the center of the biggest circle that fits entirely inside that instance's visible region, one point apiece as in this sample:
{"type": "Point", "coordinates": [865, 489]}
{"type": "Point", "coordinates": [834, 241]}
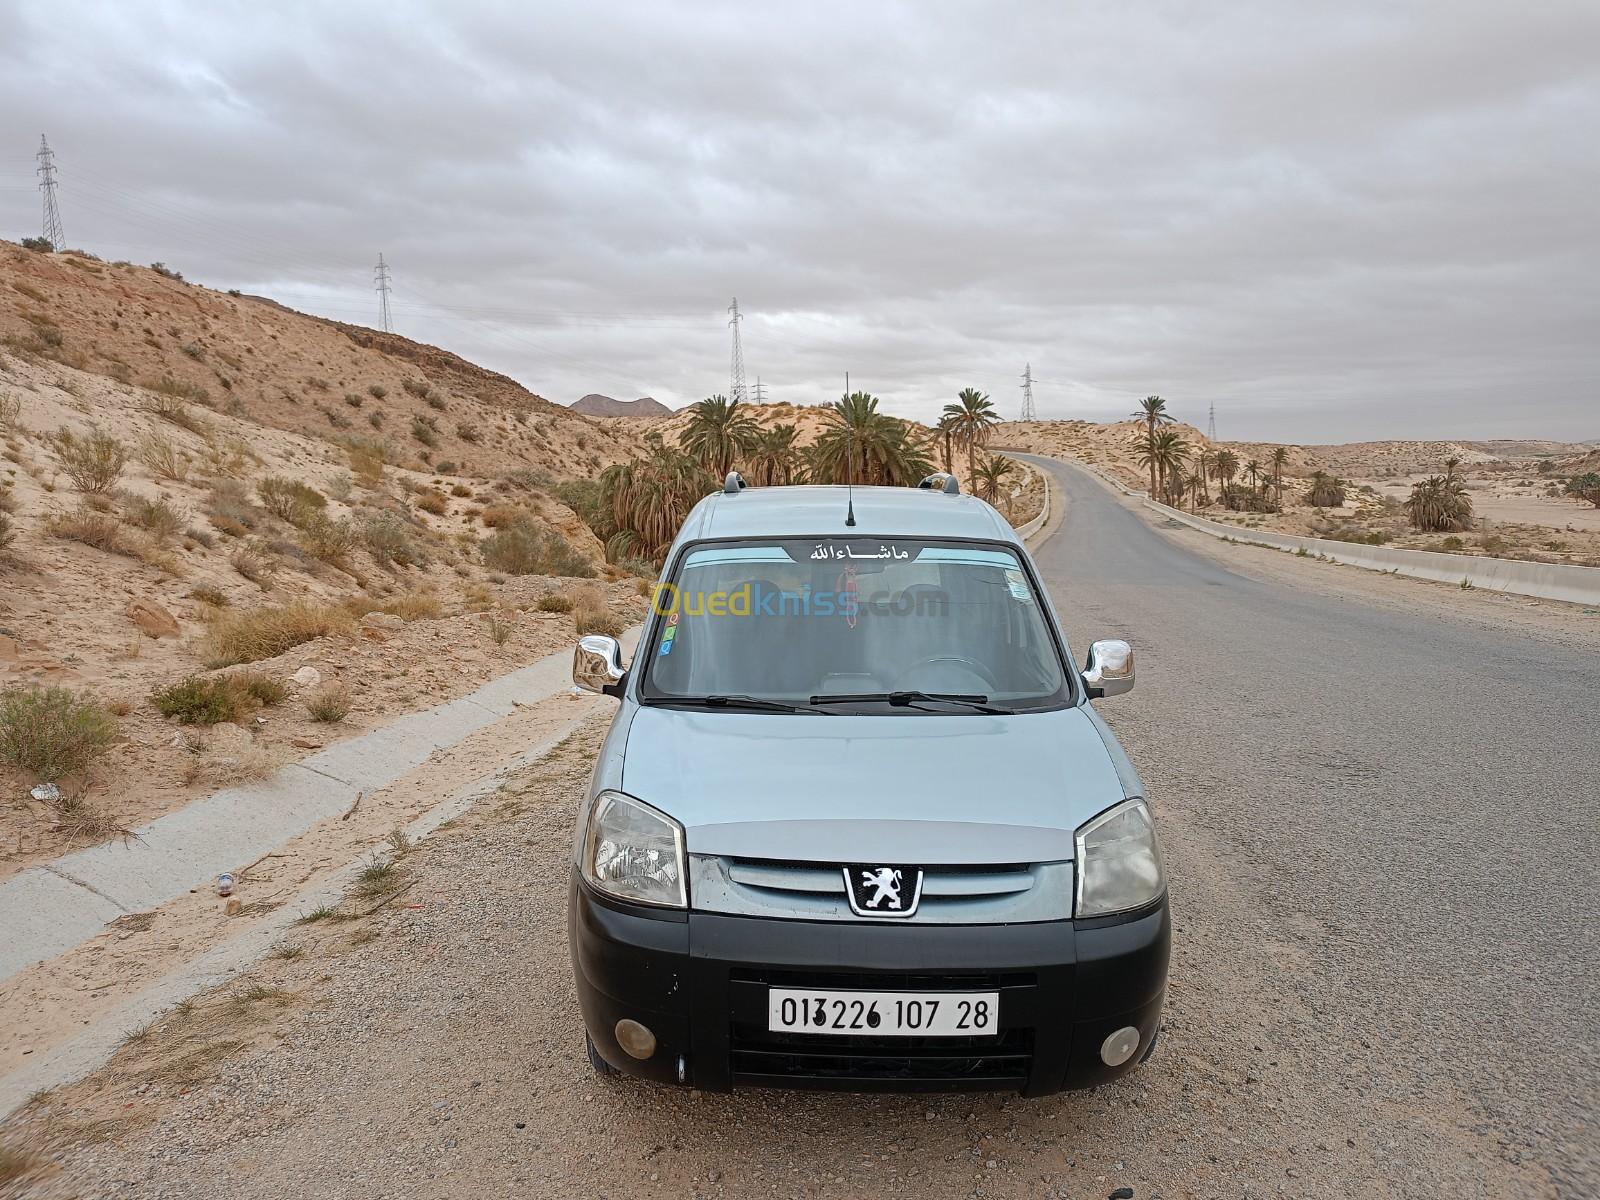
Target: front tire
{"type": "Point", "coordinates": [600, 1065]}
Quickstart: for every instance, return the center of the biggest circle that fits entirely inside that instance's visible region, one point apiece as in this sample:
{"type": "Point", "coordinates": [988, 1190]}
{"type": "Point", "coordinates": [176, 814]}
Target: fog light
{"type": "Point", "coordinates": [1117, 1049]}
{"type": "Point", "coordinates": [639, 1042]}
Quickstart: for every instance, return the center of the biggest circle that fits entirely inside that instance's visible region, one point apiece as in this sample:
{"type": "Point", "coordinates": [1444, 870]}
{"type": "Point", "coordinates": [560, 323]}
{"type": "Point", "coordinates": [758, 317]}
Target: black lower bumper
{"type": "Point", "coordinates": [698, 981]}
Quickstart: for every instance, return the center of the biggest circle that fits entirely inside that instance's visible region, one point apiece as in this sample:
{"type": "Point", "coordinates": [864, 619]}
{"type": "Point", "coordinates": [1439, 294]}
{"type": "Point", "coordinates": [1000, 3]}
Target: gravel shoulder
{"type": "Point", "coordinates": [433, 1048]}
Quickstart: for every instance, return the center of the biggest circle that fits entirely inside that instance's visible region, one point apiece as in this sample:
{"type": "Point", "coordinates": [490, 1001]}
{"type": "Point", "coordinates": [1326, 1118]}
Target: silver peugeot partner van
{"type": "Point", "coordinates": [855, 824]}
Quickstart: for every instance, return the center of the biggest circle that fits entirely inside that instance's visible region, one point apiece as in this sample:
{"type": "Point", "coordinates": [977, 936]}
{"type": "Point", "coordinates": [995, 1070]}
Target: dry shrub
{"type": "Point", "coordinates": [527, 549]}
{"type": "Point", "coordinates": [329, 703]}
{"type": "Point", "coordinates": [254, 566]}
{"type": "Point", "coordinates": [199, 700]}
{"type": "Point", "coordinates": [93, 463]}
{"type": "Point", "coordinates": [411, 607]}
{"type": "Point", "coordinates": [367, 461]}
{"type": "Point", "coordinates": [555, 602]}
{"type": "Point", "coordinates": [501, 626]}
{"type": "Point", "coordinates": [156, 517]}
{"type": "Point", "coordinates": [10, 410]}
{"type": "Point", "coordinates": [253, 634]}
{"type": "Point", "coordinates": [207, 594]}
{"type": "Point", "coordinates": [250, 765]}
{"type": "Point", "coordinates": [596, 620]}
{"type": "Point", "coordinates": [290, 500]}
{"type": "Point", "coordinates": [328, 541]}
{"type": "Point", "coordinates": [162, 457]}
{"type": "Point", "coordinates": [52, 732]}
{"type": "Point", "coordinates": [501, 516]}
{"type": "Point", "coordinates": [462, 491]}
{"type": "Point", "coordinates": [388, 539]}
{"type": "Point", "coordinates": [230, 501]}
{"type": "Point", "coordinates": [8, 530]}
{"type": "Point", "coordinates": [100, 530]}
{"type": "Point", "coordinates": [433, 501]}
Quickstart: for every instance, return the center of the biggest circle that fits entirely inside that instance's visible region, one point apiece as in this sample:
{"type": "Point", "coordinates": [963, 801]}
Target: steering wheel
{"type": "Point", "coordinates": [960, 660]}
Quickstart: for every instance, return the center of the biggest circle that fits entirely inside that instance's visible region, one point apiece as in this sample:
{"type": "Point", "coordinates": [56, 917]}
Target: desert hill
{"type": "Point", "coordinates": [196, 484]}
{"type": "Point", "coordinates": [596, 405]}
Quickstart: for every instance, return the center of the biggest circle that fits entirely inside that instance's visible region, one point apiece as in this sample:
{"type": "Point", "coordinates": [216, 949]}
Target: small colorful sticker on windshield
{"type": "Point", "coordinates": [667, 638]}
{"type": "Point", "coordinates": [849, 596]}
{"type": "Point", "coordinates": [1018, 585]}
{"type": "Point", "coordinates": [833, 550]}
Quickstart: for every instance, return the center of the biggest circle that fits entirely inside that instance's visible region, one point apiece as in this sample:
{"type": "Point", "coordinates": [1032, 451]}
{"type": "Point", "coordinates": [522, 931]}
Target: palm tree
{"type": "Point", "coordinates": [774, 456]}
{"type": "Point", "coordinates": [1227, 466]}
{"type": "Point", "coordinates": [946, 429]}
{"type": "Point", "coordinates": [1324, 491]}
{"type": "Point", "coordinates": [719, 433]}
{"type": "Point", "coordinates": [972, 416]}
{"type": "Point", "coordinates": [644, 501]}
{"type": "Point", "coordinates": [1164, 453]}
{"type": "Point", "coordinates": [1197, 486]}
{"type": "Point", "coordinates": [1280, 459]}
{"type": "Point", "coordinates": [1440, 504]}
{"type": "Point", "coordinates": [1253, 469]}
{"type": "Point", "coordinates": [1203, 463]}
{"type": "Point", "coordinates": [992, 471]}
{"type": "Point", "coordinates": [1152, 411]}
{"type": "Point", "coordinates": [862, 445]}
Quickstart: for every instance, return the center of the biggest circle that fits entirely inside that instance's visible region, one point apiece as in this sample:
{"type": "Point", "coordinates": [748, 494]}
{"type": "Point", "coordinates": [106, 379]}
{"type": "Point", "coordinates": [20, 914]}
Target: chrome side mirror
{"type": "Point", "coordinates": [597, 664]}
{"type": "Point", "coordinates": [1109, 671]}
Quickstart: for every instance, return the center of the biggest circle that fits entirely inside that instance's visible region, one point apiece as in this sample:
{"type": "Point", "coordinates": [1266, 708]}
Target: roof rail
{"type": "Point", "coordinates": [733, 484]}
{"type": "Point", "coordinates": [942, 481]}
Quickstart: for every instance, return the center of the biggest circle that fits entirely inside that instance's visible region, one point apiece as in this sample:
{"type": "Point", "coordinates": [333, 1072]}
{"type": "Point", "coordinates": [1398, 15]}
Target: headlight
{"type": "Point", "coordinates": [1119, 861]}
{"type": "Point", "coordinates": [633, 852]}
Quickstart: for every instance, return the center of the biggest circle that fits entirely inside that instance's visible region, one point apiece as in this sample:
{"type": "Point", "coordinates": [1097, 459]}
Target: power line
{"type": "Point", "coordinates": [736, 388]}
{"type": "Point", "coordinates": [381, 276]}
{"type": "Point", "coordinates": [760, 391]}
{"type": "Point", "coordinates": [47, 184]}
{"type": "Point", "coordinates": [1028, 413]}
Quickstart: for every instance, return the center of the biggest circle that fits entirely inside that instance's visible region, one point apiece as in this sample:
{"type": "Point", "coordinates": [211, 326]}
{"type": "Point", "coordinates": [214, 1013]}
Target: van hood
{"type": "Point", "coordinates": [947, 789]}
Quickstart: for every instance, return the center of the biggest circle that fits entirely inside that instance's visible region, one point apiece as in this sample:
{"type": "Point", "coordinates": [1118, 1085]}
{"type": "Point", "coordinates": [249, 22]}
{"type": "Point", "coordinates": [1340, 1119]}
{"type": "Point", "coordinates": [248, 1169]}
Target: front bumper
{"type": "Point", "coordinates": [698, 981]}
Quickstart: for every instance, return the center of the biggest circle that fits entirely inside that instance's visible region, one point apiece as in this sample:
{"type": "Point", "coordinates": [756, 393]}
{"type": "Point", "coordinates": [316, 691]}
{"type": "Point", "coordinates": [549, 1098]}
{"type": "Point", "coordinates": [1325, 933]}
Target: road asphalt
{"type": "Point", "coordinates": [1380, 831]}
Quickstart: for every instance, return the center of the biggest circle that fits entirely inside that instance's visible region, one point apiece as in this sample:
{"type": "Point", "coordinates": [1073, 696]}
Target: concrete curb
{"type": "Point", "coordinates": [1546, 581]}
{"type": "Point", "coordinates": [49, 909]}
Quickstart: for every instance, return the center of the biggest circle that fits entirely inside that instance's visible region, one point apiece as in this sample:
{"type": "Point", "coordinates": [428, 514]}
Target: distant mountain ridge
{"type": "Point", "coordinates": [596, 405]}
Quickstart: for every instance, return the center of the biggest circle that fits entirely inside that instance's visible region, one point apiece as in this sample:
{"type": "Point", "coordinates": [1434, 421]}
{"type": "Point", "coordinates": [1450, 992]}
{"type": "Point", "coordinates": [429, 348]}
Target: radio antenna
{"type": "Point", "coordinates": [850, 469]}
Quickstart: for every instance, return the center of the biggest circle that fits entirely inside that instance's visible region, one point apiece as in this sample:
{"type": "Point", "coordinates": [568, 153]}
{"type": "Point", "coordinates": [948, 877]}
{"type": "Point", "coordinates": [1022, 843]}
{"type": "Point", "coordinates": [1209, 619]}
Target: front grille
{"type": "Point", "coordinates": [963, 894]}
{"type": "Point", "coordinates": [759, 1056]}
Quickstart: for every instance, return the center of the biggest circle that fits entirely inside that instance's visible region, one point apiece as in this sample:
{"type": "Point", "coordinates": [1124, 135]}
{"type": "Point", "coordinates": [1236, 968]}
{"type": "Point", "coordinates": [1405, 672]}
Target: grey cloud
{"type": "Point", "coordinates": [1365, 221]}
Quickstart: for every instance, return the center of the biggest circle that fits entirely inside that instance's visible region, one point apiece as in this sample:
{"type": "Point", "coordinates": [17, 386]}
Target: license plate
{"type": "Point", "coordinates": [883, 1014]}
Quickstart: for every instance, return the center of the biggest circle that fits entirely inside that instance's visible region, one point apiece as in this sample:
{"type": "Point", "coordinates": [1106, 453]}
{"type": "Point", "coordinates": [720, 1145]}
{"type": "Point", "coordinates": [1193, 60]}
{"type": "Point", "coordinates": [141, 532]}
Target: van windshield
{"type": "Point", "coordinates": [853, 624]}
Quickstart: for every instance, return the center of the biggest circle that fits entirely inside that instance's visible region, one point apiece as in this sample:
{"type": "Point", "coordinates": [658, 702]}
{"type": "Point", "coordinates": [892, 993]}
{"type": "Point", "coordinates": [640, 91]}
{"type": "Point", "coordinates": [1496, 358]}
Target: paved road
{"type": "Point", "coordinates": [1381, 836]}
{"type": "Point", "coordinates": [1403, 809]}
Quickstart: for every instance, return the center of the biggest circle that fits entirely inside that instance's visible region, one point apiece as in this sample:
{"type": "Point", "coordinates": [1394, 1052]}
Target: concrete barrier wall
{"type": "Point", "coordinates": [1549, 581]}
{"type": "Point", "coordinates": [1032, 529]}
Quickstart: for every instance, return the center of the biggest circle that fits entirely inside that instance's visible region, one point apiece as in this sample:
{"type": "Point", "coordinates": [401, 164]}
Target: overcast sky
{"type": "Point", "coordinates": [1372, 220]}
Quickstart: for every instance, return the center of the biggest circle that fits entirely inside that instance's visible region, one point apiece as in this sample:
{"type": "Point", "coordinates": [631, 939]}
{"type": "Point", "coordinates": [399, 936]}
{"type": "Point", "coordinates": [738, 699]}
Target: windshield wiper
{"type": "Point", "coordinates": [973, 700]}
{"type": "Point", "coordinates": [749, 703]}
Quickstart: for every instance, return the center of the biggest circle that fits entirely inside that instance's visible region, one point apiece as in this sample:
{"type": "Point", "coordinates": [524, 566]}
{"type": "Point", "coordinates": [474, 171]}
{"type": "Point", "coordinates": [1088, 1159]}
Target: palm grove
{"type": "Point", "coordinates": [1183, 474]}
{"type": "Point", "coordinates": [636, 507]}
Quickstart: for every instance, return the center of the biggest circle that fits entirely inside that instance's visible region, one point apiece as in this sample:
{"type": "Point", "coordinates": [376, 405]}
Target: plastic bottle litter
{"type": "Point", "coordinates": [225, 884]}
{"type": "Point", "coordinates": [48, 792]}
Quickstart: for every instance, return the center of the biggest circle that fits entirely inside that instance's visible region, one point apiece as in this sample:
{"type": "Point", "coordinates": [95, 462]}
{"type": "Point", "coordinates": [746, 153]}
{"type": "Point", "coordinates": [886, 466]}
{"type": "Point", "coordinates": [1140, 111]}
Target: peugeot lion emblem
{"type": "Point", "coordinates": [891, 890]}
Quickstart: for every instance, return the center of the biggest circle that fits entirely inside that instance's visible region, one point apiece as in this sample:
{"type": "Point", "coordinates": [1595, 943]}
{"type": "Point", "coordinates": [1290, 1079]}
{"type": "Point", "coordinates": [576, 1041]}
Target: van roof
{"type": "Point", "coordinates": [815, 511]}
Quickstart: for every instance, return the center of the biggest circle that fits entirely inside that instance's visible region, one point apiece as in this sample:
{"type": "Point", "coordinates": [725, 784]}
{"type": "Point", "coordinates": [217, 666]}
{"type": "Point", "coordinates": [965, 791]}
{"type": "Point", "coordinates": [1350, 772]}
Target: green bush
{"type": "Point", "coordinates": [199, 700]}
{"type": "Point", "coordinates": [51, 732]}
{"type": "Point", "coordinates": [388, 539]}
{"type": "Point", "coordinates": [157, 517]}
{"type": "Point", "coordinates": [555, 602]}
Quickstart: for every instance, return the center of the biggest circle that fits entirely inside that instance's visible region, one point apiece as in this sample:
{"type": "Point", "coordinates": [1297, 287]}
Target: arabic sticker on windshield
{"type": "Point", "coordinates": [827, 551]}
{"type": "Point", "coordinates": [1018, 585]}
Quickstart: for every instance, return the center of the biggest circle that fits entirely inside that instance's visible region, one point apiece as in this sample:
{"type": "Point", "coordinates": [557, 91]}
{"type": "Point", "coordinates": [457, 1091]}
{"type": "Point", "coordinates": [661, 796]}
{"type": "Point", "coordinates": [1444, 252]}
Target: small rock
{"type": "Point", "coordinates": [306, 677]}
{"type": "Point", "coordinates": [151, 618]}
{"type": "Point", "coordinates": [236, 906]}
{"type": "Point", "coordinates": [382, 620]}
{"type": "Point", "coordinates": [1122, 1193]}
{"type": "Point", "coordinates": [47, 792]}
{"type": "Point", "coordinates": [306, 743]}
